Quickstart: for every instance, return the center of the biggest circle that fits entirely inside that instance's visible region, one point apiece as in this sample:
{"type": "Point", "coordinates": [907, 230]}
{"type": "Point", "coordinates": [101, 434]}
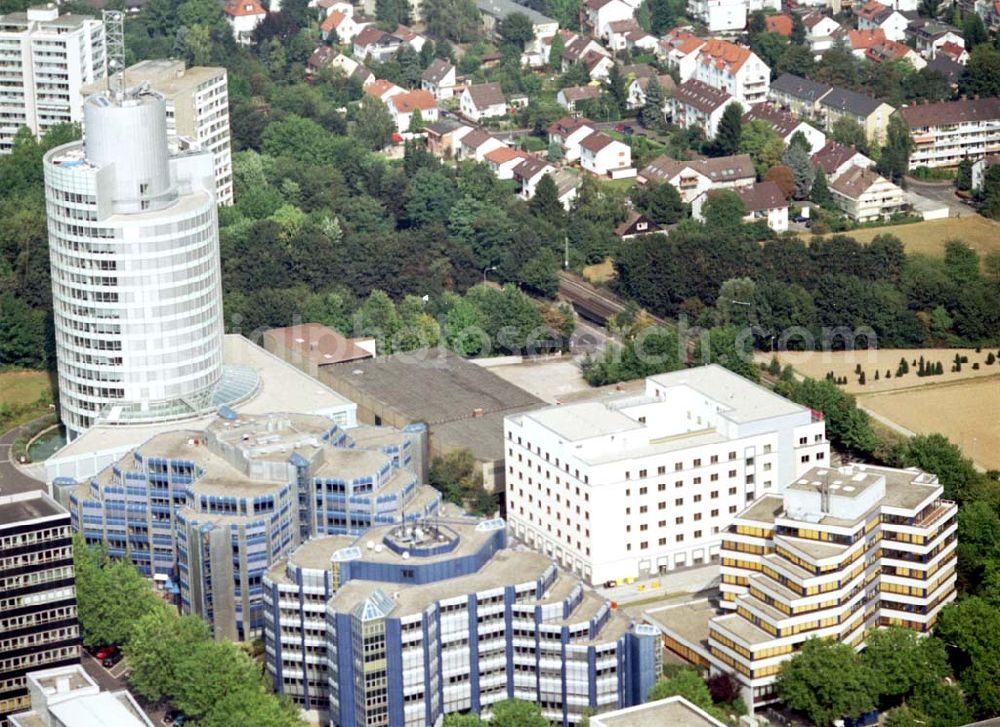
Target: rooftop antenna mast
{"type": "Point", "coordinates": [114, 33]}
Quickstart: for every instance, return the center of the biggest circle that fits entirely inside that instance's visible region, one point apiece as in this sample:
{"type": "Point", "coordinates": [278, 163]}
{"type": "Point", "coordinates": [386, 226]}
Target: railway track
{"type": "Point", "coordinates": [595, 304]}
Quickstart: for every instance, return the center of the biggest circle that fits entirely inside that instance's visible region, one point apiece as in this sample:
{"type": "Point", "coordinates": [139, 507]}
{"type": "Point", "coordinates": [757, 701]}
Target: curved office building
{"type": "Point", "coordinates": [136, 282]}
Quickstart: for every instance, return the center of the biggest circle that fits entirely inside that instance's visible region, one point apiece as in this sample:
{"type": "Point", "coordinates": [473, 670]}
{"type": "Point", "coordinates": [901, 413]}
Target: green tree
{"type": "Point", "coordinates": [723, 212]}
{"type": "Point", "coordinates": [377, 317]}
{"type": "Point", "coordinates": [963, 181]}
{"type": "Point", "coordinates": [456, 20]}
{"type": "Point", "coordinates": [894, 161]}
{"type": "Point", "coordinates": [416, 122]}
{"type": "Point", "coordinates": [545, 204]}
{"type": "Point", "coordinates": [617, 89]}
{"type": "Point", "coordinates": [430, 196]}
{"type": "Point", "coordinates": [934, 453]}
{"type": "Point", "coordinates": [158, 644]}
{"type": "Point", "coordinates": [982, 72]}
{"type": "Point", "coordinates": [989, 194]}
{"type": "Point", "coordinates": [456, 719]}
{"type": "Point", "coordinates": [971, 628]}
{"type": "Point", "coordinates": [729, 346]}
{"type": "Point", "coordinates": [373, 125]}
{"type": "Point", "coordinates": [849, 132]}
{"type": "Point", "coordinates": [905, 716]}
{"type": "Point", "coordinates": [556, 52]}
{"type": "Point", "coordinates": [727, 137]}
{"type": "Point", "coordinates": [765, 146]}
{"type": "Point", "coordinates": [943, 704]}
{"type": "Point", "coordinates": [517, 30]}
{"type": "Point", "coordinates": [660, 201]}
{"type": "Point", "coordinates": [22, 334]}
{"type": "Point", "coordinates": [974, 31]}
{"type": "Point", "coordinates": [517, 713]}
{"type": "Point", "coordinates": [826, 680]}
{"type": "Point", "coordinates": [651, 113]}
{"type": "Point", "coordinates": [901, 662]}
{"type": "Point", "coordinates": [847, 426]}
{"type": "Point", "coordinates": [213, 670]}
{"type": "Point", "coordinates": [796, 158]}
{"type": "Point", "coordinates": [770, 47]}
{"type": "Point", "coordinates": [686, 683]}
{"type": "Point", "coordinates": [820, 192]}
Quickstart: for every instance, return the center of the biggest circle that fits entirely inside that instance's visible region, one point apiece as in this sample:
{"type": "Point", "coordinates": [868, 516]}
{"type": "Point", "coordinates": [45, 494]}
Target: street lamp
{"type": "Point", "coordinates": [488, 269]}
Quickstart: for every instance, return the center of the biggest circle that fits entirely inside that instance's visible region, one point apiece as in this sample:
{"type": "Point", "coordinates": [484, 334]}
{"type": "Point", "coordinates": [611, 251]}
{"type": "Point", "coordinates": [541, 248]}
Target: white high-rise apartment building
{"type": "Point", "coordinates": [197, 102]}
{"type": "Point", "coordinates": [44, 61]}
{"type": "Point", "coordinates": [634, 485]}
{"type": "Point", "coordinates": [136, 282]}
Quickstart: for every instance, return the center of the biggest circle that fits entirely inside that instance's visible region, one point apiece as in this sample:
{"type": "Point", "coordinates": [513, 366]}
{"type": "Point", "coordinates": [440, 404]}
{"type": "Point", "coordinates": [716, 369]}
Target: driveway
{"type": "Point", "coordinates": [12, 480]}
{"type": "Point", "coordinates": [943, 192]}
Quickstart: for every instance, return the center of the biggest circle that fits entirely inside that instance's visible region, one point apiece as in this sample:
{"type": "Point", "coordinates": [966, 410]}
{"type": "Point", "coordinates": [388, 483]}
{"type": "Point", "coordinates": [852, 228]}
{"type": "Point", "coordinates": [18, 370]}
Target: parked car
{"type": "Point", "coordinates": [111, 660]}
{"type": "Point", "coordinates": [175, 716]}
{"type": "Point", "coordinates": [610, 584]}
{"type": "Point", "coordinates": [104, 652]}
{"type": "Point", "coordinates": [800, 218]}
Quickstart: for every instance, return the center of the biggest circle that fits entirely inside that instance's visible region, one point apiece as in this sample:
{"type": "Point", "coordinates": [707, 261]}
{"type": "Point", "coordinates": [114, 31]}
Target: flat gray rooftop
{"type": "Point", "coordinates": [438, 388]}
{"type": "Point", "coordinates": [689, 621]}
{"type": "Point", "coordinates": [16, 509]}
{"type": "Point", "coordinates": [670, 712]}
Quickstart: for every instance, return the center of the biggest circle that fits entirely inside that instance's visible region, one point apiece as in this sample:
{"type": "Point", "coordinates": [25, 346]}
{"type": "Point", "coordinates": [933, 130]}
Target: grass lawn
{"type": "Point", "coordinates": [621, 185]}
{"type": "Point", "coordinates": [928, 238]}
{"type": "Point", "coordinates": [24, 387]}
{"type": "Point", "coordinates": [600, 272]}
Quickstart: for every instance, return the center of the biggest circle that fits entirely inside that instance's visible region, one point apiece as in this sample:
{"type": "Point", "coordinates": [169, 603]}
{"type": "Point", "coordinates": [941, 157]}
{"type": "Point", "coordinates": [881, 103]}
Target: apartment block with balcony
{"type": "Point", "coordinates": [733, 69]}
{"type": "Point", "coordinates": [216, 507]}
{"type": "Point", "coordinates": [630, 486]}
{"type": "Point", "coordinates": [408, 623]}
{"type": "Point", "coordinates": [197, 104]}
{"type": "Point", "coordinates": [838, 554]}
{"type": "Point", "coordinates": [866, 196]}
{"type": "Point", "coordinates": [38, 620]}
{"type": "Point", "coordinates": [947, 132]}
{"type": "Point", "coordinates": [45, 59]}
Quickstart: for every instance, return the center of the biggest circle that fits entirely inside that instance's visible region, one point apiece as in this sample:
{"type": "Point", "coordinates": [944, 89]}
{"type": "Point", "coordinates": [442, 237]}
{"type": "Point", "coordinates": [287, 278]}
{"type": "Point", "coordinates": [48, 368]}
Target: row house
{"type": "Point", "coordinates": [693, 178]}
{"type": "Point", "coordinates": [786, 125]}
{"type": "Point", "coordinates": [695, 103]}
{"type": "Point", "coordinates": [494, 12]}
{"type": "Point", "coordinates": [947, 132]}
{"type": "Point", "coordinates": [733, 69]}
{"type": "Point", "coordinates": [871, 114]}
{"type": "Point", "coordinates": [797, 95]}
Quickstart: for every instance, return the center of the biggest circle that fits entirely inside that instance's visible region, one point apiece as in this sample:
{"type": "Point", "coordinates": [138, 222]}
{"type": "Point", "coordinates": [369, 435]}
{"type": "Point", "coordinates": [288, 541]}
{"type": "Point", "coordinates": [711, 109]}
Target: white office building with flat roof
{"type": "Point", "coordinates": [136, 280]}
{"type": "Point", "coordinates": [45, 59]}
{"type": "Point", "coordinates": [630, 486]}
{"type": "Point", "coordinates": [197, 103]}
{"type": "Point", "coordinates": [69, 697]}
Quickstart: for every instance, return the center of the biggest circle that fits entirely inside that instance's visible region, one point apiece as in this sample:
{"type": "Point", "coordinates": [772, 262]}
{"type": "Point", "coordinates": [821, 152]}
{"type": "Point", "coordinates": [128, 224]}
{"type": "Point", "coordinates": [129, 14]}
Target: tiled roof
{"type": "Point", "coordinates": [436, 71]}
{"type": "Point", "coordinates": [724, 54]}
{"type": "Point", "coordinates": [832, 156]}
{"type": "Point", "coordinates": [623, 26]}
{"type": "Point", "coordinates": [530, 167]}
{"type": "Point", "coordinates": [951, 112]}
{"type": "Point", "coordinates": [380, 87]}
{"type": "Point", "coordinates": [332, 21]}
{"type": "Point", "coordinates": [947, 67]}
{"type": "Point", "coordinates": [800, 88]}
{"type": "Point", "coordinates": [368, 36]}
{"type": "Point", "coordinates": [666, 82]}
{"type": "Point", "coordinates": [719, 169]}
{"type": "Point", "coordinates": [580, 93]}
{"type": "Point", "coordinates": [952, 50]}
{"type": "Point", "coordinates": [406, 103]}
{"type": "Point", "coordinates": [630, 222]}
{"type": "Point", "coordinates": [596, 141]}
{"type": "Point", "coordinates": [321, 57]}
{"type": "Point", "coordinates": [701, 96]}
{"type": "Point", "coordinates": [861, 39]}
{"type": "Point", "coordinates": [888, 51]}
{"type": "Point", "coordinates": [762, 196]}
{"type": "Point", "coordinates": [567, 125]}
{"type": "Point", "coordinates": [486, 94]}
{"type": "Point", "coordinates": [504, 154]}
{"type": "Point", "coordinates": [476, 138]}
{"type": "Point", "coordinates": [874, 11]}
{"type": "Point", "coordinates": [243, 8]}
{"type": "Point", "coordinates": [782, 122]}
{"type": "Point", "coordinates": [855, 182]}
{"type": "Point", "coordinates": [781, 24]}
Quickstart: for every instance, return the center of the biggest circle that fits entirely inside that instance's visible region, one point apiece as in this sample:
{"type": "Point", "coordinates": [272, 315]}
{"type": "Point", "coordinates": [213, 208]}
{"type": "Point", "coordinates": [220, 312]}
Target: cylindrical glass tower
{"type": "Point", "coordinates": [136, 282]}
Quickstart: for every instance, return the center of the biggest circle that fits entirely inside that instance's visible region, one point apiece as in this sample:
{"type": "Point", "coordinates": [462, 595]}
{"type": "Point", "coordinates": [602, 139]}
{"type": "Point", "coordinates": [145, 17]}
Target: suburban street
{"type": "Point", "coordinates": [940, 192]}
{"type": "Point", "coordinates": [12, 480]}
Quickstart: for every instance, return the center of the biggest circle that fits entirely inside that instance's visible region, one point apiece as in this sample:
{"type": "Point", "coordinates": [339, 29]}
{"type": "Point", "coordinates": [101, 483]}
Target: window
{"type": "Point", "coordinates": [661, 470]}
{"type": "Point", "coordinates": [820, 455]}
{"type": "Point", "coordinates": [714, 459]}
{"type": "Point", "coordinates": [642, 473]}
{"type": "Point", "coordinates": [661, 487]}
{"type": "Point", "coordinates": [643, 509]}
{"type": "Point", "coordinates": [803, 440]}
{"type": "Point", "coordinates": [697, 533]}
{"type": "Point", "coordinates": [679, 501]}
{"type": "Point", "coordinates": [662, 506]}
{"type": "Point", "coordinates": [642, 490]}
{"type": "Point", "coordinates": [715, 494]}
{"type": "Point", "coordinates": [678, 521]}
{"type": "Point", "coordinates": [697, 516]}
{"type": "Point", "coordinates": [628, 492]}
{"type": "Point", "coordinates": [732, 473]}
{"type": "Point", "coordinates": [732, 508]}
{"type": "Point", "coordinates": [714, 513]}
{"type": "Point", "coordinates": [804, 458]}
{"type": "Point", "coordinates": [749, 462]}
{"type": "Point", "coordinates": [696, 481]}
{"type": "Point", "coordinates": [696, 463]}
{"type": "Point", "coordinates": [697, 498]}
{"type": "Point", "coordinates": [679, 538]}
{"type": "Point", "coordinates": [643, 528]}
{"type": "Point", "coordinates": [643, 545]}
{"type": "Point", "coordinates": [749, 479]}
{"type": "Point", "coordinates": [714, 477]}
{"type": "Point", "coordinates": [662, 541]}
{"type": "Point", "coordinates": [732, 490]}
{"type": "Point", "coordinates": [678, 466]}
{"type": "Point", "coordinates": [732, 455]}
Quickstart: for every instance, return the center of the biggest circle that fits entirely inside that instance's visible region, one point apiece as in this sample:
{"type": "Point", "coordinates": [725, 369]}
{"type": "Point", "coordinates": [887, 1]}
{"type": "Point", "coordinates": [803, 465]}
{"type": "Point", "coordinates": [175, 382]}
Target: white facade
{"type": "Point", "coordinates": [66, 696]}
{"type": "Point", "coordinates": [44, 62]}
{"type": "Point", "coordinates": [600, 154]}
{"type": "Point", "coordinates": [197, 103]}
{"type": "Point", "coordinates": [475, 112]}
{"type": "Point", "coordinates": [945, 133]}
{"type": "Point", "coordinates": [637, 485]}
{"type": "Point", "coordinates": [600, 13]}
{"type": "Point", "coordinates": [243, 17]}
{"type": "Point", "coordinates": [720, 16]}
{"type": "Point", "coordinates": [735, 70]}
{"type": "Point", "coordinates": [136, 282]}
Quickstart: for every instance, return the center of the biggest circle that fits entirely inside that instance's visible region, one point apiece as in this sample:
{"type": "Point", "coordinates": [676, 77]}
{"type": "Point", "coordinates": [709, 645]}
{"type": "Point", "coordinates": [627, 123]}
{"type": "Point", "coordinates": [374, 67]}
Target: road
{"type": "Point", "coordinates": [943, 192]}
{"type": "Point", "coordinates": [12, 480]}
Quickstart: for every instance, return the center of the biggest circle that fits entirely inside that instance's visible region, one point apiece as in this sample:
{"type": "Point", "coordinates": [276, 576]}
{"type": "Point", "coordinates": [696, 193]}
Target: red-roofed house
{"type": "Point", "coordinates": [529, 173]}
{"type": "Point", "coordinates": [602, 155]}
{"type": "Point", "coordinates": [734, 69]}
{"type": "Point", "coordinates": [893, 50]}
{"type": "Point", "coordinates": [402, 106]}
{"type": "Point", "coordinates": [780, 24]}
{"type": "Point", "coordinates": [502, 161]}
{"type": "Point", "coordinates": [567, 133]}
{"type": "Point", "coordinates": [383, 90]}
{"type": "Point", "coordinates": [873, 15]}
{"type": "Point", "coordinates": [954, 51]}
{"type": "Point", "coordinates": [861, 40]}
{"type": "Point", "coordinates": [243, 17]}
{"type": "Point", "coordinates": [344, 25]}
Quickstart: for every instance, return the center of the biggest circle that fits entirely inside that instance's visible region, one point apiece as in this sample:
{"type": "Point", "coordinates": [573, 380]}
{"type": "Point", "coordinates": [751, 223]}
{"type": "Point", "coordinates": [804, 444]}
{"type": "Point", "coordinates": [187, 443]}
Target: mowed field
{"type": "Point", "coordinates": [929, 237]}
{"type": "Point", "coordinates": [816, 365]}
{"type": "Point", "coordinates": [23, 387]}
{"type": "Point", "coordinates": [963, 411]}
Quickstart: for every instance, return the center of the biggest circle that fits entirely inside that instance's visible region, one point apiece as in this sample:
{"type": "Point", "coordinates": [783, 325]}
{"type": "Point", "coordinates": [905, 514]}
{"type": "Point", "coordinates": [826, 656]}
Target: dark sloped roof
{"type": "Point", "coordinates": [486, 94]}
{"type": "Point", "coordinates": [951, 112]}
{"type": "Point", "coordinates": [701, 96]}
{"type": "Point", "coordinates": [762, 196]}
{"type": "Point", "coordinates": [831, 156]}
{"type": "Point", "coordinates": [841, 99]}
{"type": "Point", "coordinates": [798, 87]}
{"type": "Point", "coordinates": [436, 71]}
{"type": "Point", "coordinates": [782, 122]}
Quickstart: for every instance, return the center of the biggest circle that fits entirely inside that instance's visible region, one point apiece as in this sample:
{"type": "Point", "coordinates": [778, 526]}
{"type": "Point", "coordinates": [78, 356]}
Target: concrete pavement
{"type": "Point", "coordinates": [12, 480]}
{"type": "Point", "coordinates": [943, 192]}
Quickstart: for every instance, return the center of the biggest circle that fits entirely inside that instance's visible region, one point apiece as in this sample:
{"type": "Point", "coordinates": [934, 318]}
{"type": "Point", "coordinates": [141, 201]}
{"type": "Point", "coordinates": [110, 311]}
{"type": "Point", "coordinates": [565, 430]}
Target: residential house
{"type": "Point", "coordinates": [494, 12]}
{"type": "Point", "coordinates": [733, 69]}
{"type": "Point", "coordinates": [946, 132]}
{"type": "Point", "coordinates": [410, 37]}
{"type": "Point", "coordinates": [569, 97]}
{"type": "Point", "coordinates": [929, 35]}
{"type": "Point", "coordinates": [761, 201]}
{"type": "Point", "coordinates": [860, 41]}
{"type": "Point", "coordinates": [243, 17]}
{"type": "Point", "coordinates": [948, 68]}
{"type": "Point", "coordinates": [617, 34]}
{"type": "Point", "coordinates": [443, 137]}
{"type": "Point", "coordinates": [637, 91]}
{"type": "Point", "coordinates": [476, 144]}
{"type": "Point", "coordinates": [954, 51]}
{"type": "Point", "coordinates": [873, 15]}
{"type": "Point", "coordinates": [568, 132]}
{"type": "Point", "coordinates": [836, 158]}
{"type": "Point", "coordinates": [598, 14]}
{"type": "Point", "coordinates": [567, 184]}
{"type": "Point", "coordinates": [403, 106]}
{"type": "Point", "coordinates": [780, 24]}
{"type": "Point", "coordinates": [636, 224]}
{"type": "Point", "coordinates": [603, 156]}
{"type": "Point", "coordinates": [697, 104]}
{"type": "Point", "coordinates": [383, 90]}
{"type": "Point", "coordinates": [866, 196]}
{"type": "Point", "coordinates": [893, 50]}
{"type": "Point", "coordinates": [439, 78]}
{"type": "Point", "coordinates": [371, 42]}
{"type": "Point", "coordinates": [798, 95]}
{"type": "Point", "coordinates": [786, 125]}
{"type": "Point", "coordinates": [483, 101]}
{"type": "Point", "coordinates": [578, 48]}
{"type": "Point", "coordinates": [821, 31]}
{"type": "Point", "coordinates": [529, 173]}
{"type": "Point", "coordinates": [719, 16]}
{"type": "Point", "coordinates": [979, 168]}
{"type": "Point", "coordinates": [692, 178]}
{"type": "Point", "coordinates": [870, 113]}
{"type": "Point", "coordinates": [343, 27]}
{"type": "Point", "coordinates": [679, 50]}
{"type": "Point", "coordinates": [325, 7]}
{"type": "Point", "coordinates": [502, 161]}
{"type": "Point", "coordinates": [326, 57]}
